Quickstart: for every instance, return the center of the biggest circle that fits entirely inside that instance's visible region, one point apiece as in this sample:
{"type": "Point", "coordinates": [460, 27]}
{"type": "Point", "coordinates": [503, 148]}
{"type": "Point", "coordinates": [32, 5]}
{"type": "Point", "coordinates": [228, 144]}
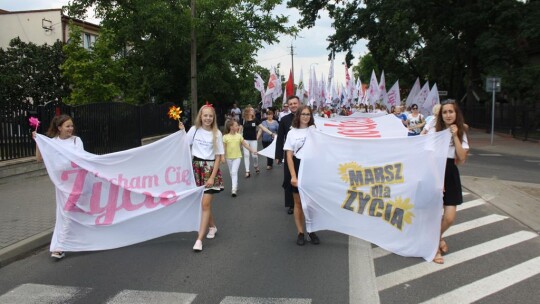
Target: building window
{"type": "Point", "coordinates": [88, 40]}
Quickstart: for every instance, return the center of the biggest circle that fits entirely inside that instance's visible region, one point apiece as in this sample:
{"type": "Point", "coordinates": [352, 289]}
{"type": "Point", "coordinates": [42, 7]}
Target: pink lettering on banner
{"type": "Point", "coordinates": [357, 128]}
{"type": "Point", "coordinates": [175, 175]}
{"type": "Point", "coordinates": [137, 182]}
{"type": "Point", "coordinates": [106, 214]}
{"type": "Point", "coordinates": [77, 187]}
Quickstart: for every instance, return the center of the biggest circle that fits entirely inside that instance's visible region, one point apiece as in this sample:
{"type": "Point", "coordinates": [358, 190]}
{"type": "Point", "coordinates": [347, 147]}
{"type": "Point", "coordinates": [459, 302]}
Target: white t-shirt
{"type": "Point", "coordinates": [295, 141]}
{"type": "Point", "coordinates": [236, 112]}
{"type": "Point", "coordinates": [413, 121]}
{"type": "Point", "coordinates": [202, 143]}
{"type": "Point", "coordinates": [452, 148]}
{"type": "Point", "coordinates": [74, 142]}
{"type": "Point", "coordinates": [283, 113]}
{"type": "Point", "coordinates": [430, 124]}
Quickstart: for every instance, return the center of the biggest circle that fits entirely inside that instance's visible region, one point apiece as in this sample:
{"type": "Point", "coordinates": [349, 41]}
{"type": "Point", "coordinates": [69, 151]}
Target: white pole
{"type": "Point", "coordinates": [493, 113]}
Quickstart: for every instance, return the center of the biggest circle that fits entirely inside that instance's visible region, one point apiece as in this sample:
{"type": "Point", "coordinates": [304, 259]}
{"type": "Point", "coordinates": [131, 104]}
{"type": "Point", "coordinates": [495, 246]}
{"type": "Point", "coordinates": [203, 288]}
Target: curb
{"type": "Point", "coordinates": [22, 248]}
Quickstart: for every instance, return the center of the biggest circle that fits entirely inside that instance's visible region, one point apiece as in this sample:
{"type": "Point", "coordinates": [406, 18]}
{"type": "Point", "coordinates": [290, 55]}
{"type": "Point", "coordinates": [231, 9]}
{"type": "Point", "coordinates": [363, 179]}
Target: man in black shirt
{"type": "Point", "coordinates": [284, 127]}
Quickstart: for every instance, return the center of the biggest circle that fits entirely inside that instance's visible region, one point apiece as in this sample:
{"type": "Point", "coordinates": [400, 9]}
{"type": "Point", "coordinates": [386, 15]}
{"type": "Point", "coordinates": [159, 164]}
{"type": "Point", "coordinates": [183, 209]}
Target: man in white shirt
{"type": "Point", "coordinates": [284, 112]}
{"type": "Point", "coordinates": [236, 112]}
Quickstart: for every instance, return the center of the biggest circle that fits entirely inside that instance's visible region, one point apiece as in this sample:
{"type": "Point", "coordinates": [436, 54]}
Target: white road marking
{"type": "Point", "coordinates": [490, 285]}
{"type": "Point", "coordinates": [158, 297]}
{"type": "Point", "coordinates": [362, 278]}
{"type": "Point", "coordinates": [248, 300]}
{"type": "Point", "coordinates": [37, 293]}
{"type": "Point", "coordinates": [490, 154]}
{"type": "Point", "coordinates": [486, 220]}
{"type": "Point", "coordinates": [419, 270]}
{"type": "Point", "coordinates": [471, 204]}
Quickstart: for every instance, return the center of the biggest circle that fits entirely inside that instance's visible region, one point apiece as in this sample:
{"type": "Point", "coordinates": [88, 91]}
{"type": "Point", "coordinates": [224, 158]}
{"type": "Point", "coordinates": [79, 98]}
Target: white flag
{"type": "Point", "coordinates": [272, 83]}
{"type": "Point", "coordinates": [301, 88]}
{"type": "Point", "coordinates": [392, 97]}
{"type": "Point", "coordinates": [382, 88]}
{"type": "Point", "coordinates": [412, 94]}
{"type": "Point", "coordinates": [330, 74]}
{"type": "Point", "coordinates": [279, 90]}
{"type": "Point", "coordinates": [422, 95]}
{"type": "Point", "coordinates": [373, 89]}
{"type": "Point", "coordinates": [431, 100]}
{"type": "Point", "coordinates": [259, 83]}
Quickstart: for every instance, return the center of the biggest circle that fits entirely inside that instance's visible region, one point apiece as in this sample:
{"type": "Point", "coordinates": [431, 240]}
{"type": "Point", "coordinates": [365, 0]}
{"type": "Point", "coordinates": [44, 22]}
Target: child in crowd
{"type": "Point", "coordinates": [232, 141]}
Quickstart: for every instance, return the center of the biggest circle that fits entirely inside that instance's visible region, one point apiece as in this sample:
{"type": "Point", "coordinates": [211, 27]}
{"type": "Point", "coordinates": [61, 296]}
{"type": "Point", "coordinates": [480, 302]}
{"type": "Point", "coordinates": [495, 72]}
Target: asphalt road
{"type": "Point", "coordinates": [254, 259]}
{"type": "Point", "coordinates": [502, 166]}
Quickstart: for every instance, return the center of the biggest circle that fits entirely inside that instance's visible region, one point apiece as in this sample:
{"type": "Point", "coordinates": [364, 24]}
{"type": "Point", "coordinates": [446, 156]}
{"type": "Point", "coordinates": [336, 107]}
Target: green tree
{"type": "Point", "coordinates": [453, 43]}
{"type": "Point", "coordinates": [93, 72]}
{"type": "Point", "coordinates": [154, 40]}
{"type": "Point", "coordinates": [30, 73]}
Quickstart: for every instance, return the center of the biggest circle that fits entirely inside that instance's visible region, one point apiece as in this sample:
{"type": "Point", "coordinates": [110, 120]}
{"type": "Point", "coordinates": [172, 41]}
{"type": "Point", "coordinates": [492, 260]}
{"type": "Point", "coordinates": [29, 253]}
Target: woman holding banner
{"type": "Point", "coordinates": [450, 117]}
{"type": "Point", "coordinates": [296, 138]}
{"type": "Point", "coordinates": [61, 130]}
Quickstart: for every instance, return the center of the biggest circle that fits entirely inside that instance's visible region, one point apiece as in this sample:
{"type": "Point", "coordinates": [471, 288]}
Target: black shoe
{"type": "Point", "coordinates": [290, 211]}
{"type": "Point", "coordinates": [314, 238]}
{"type": "Point", "coordinates": [300, 241]}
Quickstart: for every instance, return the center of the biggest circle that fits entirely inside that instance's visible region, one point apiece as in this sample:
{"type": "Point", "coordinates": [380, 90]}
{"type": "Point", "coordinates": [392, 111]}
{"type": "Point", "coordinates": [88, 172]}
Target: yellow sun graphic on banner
{"type": "Point", "coordinates": [406, 206]}
{"type": "Point", "coordinates": [345, 168]}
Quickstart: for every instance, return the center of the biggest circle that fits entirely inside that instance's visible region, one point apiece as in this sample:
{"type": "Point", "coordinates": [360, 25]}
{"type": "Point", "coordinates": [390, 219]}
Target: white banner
{"type": "Point", "coordinates": [362, 127]}
{"type": "Point", "coordinates": [385, 191]}
{"type": "Point", "coordinates": [269, 151]}
{"type": "Point", "coordinates": [123, 198]}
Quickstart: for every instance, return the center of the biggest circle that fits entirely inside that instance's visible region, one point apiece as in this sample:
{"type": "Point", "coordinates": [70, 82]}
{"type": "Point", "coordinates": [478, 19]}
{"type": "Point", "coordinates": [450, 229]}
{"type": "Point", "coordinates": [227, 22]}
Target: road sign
{"type": "Point", "coordinates": [493, 84]}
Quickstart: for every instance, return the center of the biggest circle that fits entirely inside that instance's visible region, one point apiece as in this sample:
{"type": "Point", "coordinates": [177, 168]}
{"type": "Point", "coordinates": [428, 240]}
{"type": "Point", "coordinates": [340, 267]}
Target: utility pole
{"type": "Point", "coordinates": [292, 61]}
{"type": "Point", "coordinates": [194, 97]}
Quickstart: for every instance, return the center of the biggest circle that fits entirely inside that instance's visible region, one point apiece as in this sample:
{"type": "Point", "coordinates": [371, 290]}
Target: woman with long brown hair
{"type": "Point", "coordinates": [296, 138]}
{"type": "Point", "coordinates": [451, 118]}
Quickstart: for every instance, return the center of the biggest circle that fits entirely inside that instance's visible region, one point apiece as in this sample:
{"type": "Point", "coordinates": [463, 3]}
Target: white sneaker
{"type": "Point", "coordinates": [197, 246]}
{"type": "Point", "coordinates": [58, 254]}
{"type": "Point", "coordinates": [211, 233]}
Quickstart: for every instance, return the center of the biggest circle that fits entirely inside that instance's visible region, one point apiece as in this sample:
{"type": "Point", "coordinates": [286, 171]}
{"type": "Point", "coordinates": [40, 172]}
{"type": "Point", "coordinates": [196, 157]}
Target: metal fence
{"type": "Point", "coordinates": [521, 122]}
{"type": "Point", "coordinates": [111, 127]}
{"type": "Point", "coordinates": [103, 127]}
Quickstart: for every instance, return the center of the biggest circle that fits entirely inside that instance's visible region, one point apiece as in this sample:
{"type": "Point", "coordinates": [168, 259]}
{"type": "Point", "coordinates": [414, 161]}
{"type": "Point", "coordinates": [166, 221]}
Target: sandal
{"type": "Point", "coordinates": [248, 174]}
{"type": "Point", "coordinates": [438, 258]}
{"type": "Point", "coordinates": [443, 246]}
{"type": "Point", "coordinates": [257, 170]}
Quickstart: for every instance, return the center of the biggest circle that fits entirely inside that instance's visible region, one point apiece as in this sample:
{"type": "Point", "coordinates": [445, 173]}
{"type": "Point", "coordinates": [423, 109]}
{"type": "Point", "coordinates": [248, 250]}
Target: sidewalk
{"type": "Point", "coordinates": [28, 204]}
{"type": "Point", "coordinates": [519, 200]}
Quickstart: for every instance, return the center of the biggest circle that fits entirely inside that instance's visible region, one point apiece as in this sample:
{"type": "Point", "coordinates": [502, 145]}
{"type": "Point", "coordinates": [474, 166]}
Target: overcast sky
{"type": "Point", "coordinates": [309, 47]}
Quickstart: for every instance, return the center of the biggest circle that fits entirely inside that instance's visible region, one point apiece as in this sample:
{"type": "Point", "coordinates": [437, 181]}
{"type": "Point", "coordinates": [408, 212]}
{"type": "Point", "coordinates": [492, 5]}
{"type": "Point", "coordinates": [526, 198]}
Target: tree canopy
{"type": "Point", "coordinates": [455, 43]}
{"type": "Point", "coordinates": [31, 73]}
{"type": "Point", "coordinates": [152, 39]}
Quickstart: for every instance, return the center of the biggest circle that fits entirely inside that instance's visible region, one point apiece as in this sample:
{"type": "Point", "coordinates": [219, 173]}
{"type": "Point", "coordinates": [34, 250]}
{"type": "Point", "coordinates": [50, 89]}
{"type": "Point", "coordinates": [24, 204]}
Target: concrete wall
{"type": "Point", "coordinates": [28, 26]}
